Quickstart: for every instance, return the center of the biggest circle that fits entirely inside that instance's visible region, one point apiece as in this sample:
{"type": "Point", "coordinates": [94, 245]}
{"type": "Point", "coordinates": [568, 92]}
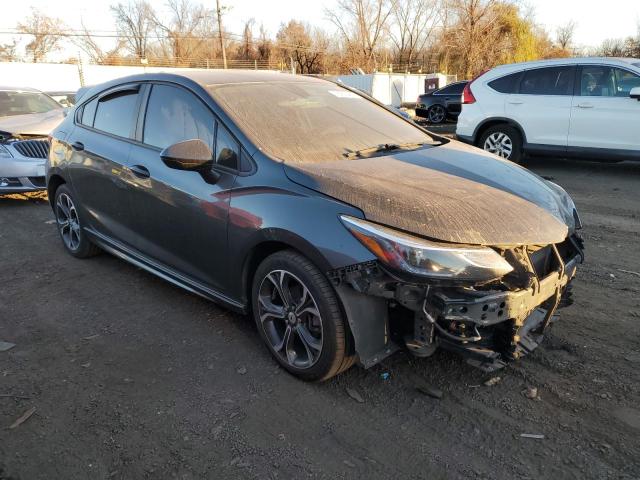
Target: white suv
{"type": "Point", "coordinates": [584, 107]}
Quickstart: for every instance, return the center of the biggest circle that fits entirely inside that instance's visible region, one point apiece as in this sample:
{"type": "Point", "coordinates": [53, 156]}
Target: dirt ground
{"type": "Point", "coordinates": [134, 378]}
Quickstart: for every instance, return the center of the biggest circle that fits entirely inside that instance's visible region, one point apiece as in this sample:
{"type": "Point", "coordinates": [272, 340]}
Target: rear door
{"type": "Point", "coordinates": [181, 216]}
{"type": "Point", "coordinates": [101, 143]}
{"type": "Point", "coordinates": [542, 105]}
{"type": "Point", "coordinates": [450, 97]}
{"type": "Point", "coordinates": [604, 116]}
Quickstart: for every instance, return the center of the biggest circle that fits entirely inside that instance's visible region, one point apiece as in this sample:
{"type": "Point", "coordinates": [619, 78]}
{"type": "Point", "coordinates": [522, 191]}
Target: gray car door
{"type": "Point", "coordinates": [181, 216]}
{"type": "Point", "coordinates": [101, 144]}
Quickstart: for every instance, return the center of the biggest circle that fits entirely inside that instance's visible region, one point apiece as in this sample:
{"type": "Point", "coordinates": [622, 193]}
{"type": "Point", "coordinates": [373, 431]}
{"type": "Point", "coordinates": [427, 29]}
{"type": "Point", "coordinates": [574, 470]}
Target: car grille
{"type": "Point", "coordinates": [32, 148]}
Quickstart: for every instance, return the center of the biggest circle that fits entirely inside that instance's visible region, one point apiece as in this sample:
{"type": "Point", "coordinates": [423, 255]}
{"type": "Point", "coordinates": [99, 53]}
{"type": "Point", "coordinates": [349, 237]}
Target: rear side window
{"type": "Point", "coordinates": [89, 113]}
{"type": "Point", "coordinates": [226, 148]}
{"type": "Point", "coordinates": [625, 82]}
{"type": "Point", "coordinates": [506, 84]}
{"type": "Point", "coordinates": [115, 113]}
{"type": "Point", "coordinates": [547, 81]}
{"type": "Point", "coordinates": [455, 89]}
{"type": "Point", "coordinates": [175, 115]}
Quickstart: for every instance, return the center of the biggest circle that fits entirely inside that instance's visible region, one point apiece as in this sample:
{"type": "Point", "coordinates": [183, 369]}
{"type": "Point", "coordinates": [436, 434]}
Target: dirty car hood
{"type": "Point", "coordinates": [32, 123]}
{"type": "Point", "coordinates": [452, 193]}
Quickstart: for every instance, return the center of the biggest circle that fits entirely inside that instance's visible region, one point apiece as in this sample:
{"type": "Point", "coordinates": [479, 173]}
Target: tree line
{"type": "Point", "coordinates": [459, 37]}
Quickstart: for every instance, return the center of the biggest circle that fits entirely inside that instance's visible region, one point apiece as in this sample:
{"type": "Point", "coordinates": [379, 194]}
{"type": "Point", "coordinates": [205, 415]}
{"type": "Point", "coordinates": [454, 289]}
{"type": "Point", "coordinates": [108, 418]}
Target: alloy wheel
{"type": "Point", "coordinates": [68, 221]}
{"type": "Point", "coordinates": [500, 144]}
{"type": "Point", "coordinates": [290, 319]}
{"type": "Point", "coordinates": [437, 114]}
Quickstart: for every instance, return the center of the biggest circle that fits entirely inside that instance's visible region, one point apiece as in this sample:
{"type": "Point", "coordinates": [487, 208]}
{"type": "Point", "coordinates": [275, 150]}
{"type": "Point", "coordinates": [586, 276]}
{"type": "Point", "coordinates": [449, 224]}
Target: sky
{"type": "Point", "coordinates": [593, 23]}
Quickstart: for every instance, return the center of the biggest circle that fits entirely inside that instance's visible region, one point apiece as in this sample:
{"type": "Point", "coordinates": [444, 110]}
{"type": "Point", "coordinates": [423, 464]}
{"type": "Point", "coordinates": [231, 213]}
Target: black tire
{"type": "Point", "coordinates": [333, 357]}
{"type": "Point", "coordinates": [510, 133]}
{"type": "Point", "coordinates": [79, 246]}
{"type": "Point", "coordinates": [437, 114]}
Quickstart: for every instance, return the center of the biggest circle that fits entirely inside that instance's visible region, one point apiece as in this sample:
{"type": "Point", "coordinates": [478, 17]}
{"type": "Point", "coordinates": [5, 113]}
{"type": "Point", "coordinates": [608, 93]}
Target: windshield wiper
{"type": "Point", "coordinates": [385, 147]}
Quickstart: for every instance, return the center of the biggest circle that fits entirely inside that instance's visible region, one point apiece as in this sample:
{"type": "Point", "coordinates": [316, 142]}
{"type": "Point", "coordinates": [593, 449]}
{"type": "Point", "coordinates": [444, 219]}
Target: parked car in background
{"type": "Point", "coordinates": [345, 230]}
{"type": "Point", "coordinates": [578, 107]}
{"type": "Point", "coordinates": [64, 98]}
{"type": "Point", "coordinates": [442, 104]}
{"type": "Point", "coordinates": [26, 118]}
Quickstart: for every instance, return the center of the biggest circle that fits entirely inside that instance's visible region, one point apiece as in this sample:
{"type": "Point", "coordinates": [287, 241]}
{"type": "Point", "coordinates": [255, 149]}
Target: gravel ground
{"type": "Point", "coordinates": [131, 377]}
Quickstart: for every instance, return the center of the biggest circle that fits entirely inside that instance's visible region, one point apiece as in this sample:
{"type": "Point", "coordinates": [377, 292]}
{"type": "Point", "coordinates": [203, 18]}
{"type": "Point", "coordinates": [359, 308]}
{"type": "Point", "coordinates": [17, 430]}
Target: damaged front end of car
{"type": "Point", "coordinates": [490, 304]}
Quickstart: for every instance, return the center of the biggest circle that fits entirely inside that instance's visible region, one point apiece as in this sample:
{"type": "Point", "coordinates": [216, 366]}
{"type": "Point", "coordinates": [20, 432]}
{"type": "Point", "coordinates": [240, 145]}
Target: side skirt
{"type": "Point", "coordinates": [121, 251]}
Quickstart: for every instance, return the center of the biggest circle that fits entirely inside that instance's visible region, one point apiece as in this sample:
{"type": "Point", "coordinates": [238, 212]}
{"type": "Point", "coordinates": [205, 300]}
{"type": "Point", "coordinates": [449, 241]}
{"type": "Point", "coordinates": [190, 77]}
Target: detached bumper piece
{"type": "Point", "coordinates": [489, 325]}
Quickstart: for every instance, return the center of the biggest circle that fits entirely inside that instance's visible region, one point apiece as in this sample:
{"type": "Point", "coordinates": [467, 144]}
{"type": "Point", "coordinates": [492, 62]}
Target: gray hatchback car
{"type": "Point", "coordinates": [345, 230]}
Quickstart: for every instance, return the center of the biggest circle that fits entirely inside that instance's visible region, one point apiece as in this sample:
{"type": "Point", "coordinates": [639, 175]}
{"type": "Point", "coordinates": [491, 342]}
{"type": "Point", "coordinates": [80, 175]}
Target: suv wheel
{"type": "Point", "coordinates": [503, 141]}
{"type": "Point", "coordinates": [74, 239]}
{"type": "Point", "coordinates": [298, 316]}
{"type": "Point", "coordinates": [436, 114]}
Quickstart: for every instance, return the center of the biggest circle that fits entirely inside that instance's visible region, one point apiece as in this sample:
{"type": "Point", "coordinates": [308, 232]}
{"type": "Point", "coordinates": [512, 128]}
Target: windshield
{"type": "Point", "coordinates": [312, 121]}
{"type": "Point", "coordinates": [22, 103]}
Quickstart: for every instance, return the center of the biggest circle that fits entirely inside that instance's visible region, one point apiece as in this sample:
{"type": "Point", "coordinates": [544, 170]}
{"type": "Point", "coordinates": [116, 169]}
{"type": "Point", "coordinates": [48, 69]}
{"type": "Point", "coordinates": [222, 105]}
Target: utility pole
{"type": "Point", "coordinates": [224, 53]}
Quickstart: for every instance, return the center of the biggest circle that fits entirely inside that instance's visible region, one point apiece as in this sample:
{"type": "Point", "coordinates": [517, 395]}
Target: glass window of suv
{"type": "Point", "coordinates": [597, 81]}
{"type": "Point", "coordinates": [455, 89]}
{"type": "Point", "coordinates": [506, 84]}
{"type": "Point", "coordinates": [547, 81]}
{"type": "Point", "coordinates": [625, 81]}
{"type": "Point", "coordinates": [89, 113]}
{"type": "Point", "coordinates": [175, 115]}
{"type": "Point", "coordinates": [115, 113]}
{"type": "Point", "coordinates": [226, 148]}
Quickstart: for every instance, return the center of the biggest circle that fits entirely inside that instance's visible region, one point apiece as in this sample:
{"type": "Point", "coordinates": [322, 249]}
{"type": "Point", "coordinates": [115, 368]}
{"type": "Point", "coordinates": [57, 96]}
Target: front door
{"type": "Point", "coordinates": [181, 216]}
{"type": "Point", "coordinates": [603, 114]}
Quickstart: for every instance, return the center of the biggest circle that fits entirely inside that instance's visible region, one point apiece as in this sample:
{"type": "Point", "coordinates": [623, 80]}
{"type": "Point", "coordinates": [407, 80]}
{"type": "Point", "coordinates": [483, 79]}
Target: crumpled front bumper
{"type": "Point", "coordinates": [21, 174]}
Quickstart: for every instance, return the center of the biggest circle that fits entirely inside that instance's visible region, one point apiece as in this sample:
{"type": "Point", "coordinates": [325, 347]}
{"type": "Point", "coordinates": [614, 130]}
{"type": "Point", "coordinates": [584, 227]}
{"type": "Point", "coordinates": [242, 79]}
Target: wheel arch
{"type": "Point", "coordinates": [491, 122]}
{"type": "Point", "coordinates": [55, 180]}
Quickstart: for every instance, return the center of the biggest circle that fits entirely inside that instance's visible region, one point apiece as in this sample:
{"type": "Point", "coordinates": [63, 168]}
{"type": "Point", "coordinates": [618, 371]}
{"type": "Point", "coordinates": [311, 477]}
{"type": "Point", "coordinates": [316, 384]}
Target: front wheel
{"type": "Point", "coordinates": [298, 316]}
{"type": "Point", "coordinates": [503, 141]}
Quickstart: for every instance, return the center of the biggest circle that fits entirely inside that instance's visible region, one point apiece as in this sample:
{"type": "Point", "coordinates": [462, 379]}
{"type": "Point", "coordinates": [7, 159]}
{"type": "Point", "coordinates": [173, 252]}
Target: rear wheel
{"type": "Point", "coordinates": [502, 140]}
{"type": "Point", "coordinates": [436, 114]}
{"type": "Point", "coordinates": [298, 316]}
{"type": "Point", "coordinates": [74, 239]}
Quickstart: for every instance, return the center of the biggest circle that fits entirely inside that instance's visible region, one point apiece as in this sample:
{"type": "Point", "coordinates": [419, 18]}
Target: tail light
{"type": "Point", "coordinates": [467, 95]}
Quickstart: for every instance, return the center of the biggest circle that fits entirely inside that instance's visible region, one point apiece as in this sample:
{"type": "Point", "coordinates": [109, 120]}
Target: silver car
{"type": "Point", "coordinates": [26, 118]}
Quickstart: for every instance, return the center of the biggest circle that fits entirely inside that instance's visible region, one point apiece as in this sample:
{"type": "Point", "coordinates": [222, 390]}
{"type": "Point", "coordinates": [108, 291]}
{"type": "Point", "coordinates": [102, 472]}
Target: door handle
{"type": "Point", "coordinates": [77, 146]}
{"type": "Point", "coordinates": [585, 105]}
{"type": "Point", "coordinates": [516, 102]}
{"type": "Point", "coordinates": [140, 171]}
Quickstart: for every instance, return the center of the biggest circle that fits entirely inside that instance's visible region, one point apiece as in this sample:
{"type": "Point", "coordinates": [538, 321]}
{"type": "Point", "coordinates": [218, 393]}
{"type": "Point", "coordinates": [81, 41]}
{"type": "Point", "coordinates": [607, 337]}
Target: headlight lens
{"type": "Point", "coordinates": [428, 259]}
{"type": "Point", "coordinates": [4, 152]}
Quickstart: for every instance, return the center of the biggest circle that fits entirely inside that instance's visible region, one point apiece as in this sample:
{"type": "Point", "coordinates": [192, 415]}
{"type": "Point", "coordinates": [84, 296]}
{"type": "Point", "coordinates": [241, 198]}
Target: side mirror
{"type": "Point", "coordinates": [187, 155]}
{"type": "Point", "coordinates": [635, 93]}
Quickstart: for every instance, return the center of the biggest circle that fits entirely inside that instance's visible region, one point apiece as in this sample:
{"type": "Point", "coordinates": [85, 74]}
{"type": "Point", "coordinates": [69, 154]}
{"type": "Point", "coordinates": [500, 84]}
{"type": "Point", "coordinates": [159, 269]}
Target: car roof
{"type": "Point", "coordinates": [18, 89]}
{"type": "Point", "coordinates": [568, 61]}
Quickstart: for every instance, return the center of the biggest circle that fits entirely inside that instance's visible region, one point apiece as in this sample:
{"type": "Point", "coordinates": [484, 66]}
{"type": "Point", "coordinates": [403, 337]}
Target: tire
{"type": "Point", "coordinates": [502, 140]}
{"type": "Point", "coordinates": [317, 345]}
{"type": "Point", "coordinates": [69, 226]}
{"type": "Point", "coordinates": [437, 114]}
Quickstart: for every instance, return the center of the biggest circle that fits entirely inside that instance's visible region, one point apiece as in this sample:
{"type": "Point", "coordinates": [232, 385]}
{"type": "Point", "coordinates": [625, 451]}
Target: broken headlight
{"type": "Point", "coordinates": [417, 256]}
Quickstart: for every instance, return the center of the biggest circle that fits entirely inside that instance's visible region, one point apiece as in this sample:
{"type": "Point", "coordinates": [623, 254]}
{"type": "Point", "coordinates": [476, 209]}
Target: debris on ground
{"type": "Point", "coordinates": [532, 435]}
{"type": "Point", "coordinates": [91, 337]}
{"type": "Point", "coordinates": [385, 376]}
{"type": "Point", "coordinates": [349, 464]}
{"type": "Point", "coordinates": [4, 346]}
{"type": "Point", "coordinates": [355, 395]}
{"type": "Point", "coordinates": [492, 381]}
{"type": "Point", "coordinates": [427, 389]}
{"type": "Point", "coordinates": [242, 370]}
{"type": "Point", "coordinates": [86, 365]}
{"type": "Point", "coordinates": [25, 416]}
{"type": "Point", "coordinates": [531, 393]}
{"type": "Point", "coordinates": [630, 272]}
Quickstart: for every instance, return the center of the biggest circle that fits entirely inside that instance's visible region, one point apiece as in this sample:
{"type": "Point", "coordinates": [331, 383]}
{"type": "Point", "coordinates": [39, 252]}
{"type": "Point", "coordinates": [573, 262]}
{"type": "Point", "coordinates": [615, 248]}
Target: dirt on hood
{"type": "Point", "coordinates": [450, 193]}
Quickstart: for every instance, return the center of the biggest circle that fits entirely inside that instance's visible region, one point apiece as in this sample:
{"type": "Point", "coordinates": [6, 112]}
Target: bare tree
{"type": "Point", "coordinates": [414, 22]}
{"type": "Point", "coordinates": [297, 42]}
{"type": "Point", "coordinates": [564, 35]}
{"type": "Point", "coordinates": [46, 32]}
{"type": "Point", "coordinates": [247, 48]}
{"type": "Point", "coordinates": [361, 23]}
{"type": "Point", "coordinates": [134, 21]}
{"type": "Point", "coordinates": [95, 52]}
{"type": "Point", "coordinates": [8, 52]}
{"type": "Point", "coordinates": [264, 45]}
